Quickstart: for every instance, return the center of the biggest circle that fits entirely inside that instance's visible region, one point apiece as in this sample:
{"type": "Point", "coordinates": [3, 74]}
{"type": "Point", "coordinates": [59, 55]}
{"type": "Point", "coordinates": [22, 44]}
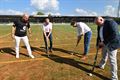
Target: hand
{"type": "Point", "coordinates": [82, 34]}
{"type": "Point", "coordinates": [100, 45]}
{"type": "Point", "coordinates": [76, 44]}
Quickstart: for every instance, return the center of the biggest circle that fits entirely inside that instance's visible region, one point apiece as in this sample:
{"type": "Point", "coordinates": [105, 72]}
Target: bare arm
{"type": "Point", "coordinates": [29, 30]}
{"type": "Point", "coordinates": [50, 32]}
{"type": "Point", "coordinates": [78, 39]}
{"type": "Point", "coordinates": [13, 32]}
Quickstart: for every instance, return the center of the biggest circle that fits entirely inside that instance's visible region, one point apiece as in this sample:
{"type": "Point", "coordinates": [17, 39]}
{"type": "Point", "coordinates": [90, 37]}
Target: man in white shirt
{"type": "Point", "coordinates": [47, 33]}
{"type": "Point", "coordinates": [83, 30]}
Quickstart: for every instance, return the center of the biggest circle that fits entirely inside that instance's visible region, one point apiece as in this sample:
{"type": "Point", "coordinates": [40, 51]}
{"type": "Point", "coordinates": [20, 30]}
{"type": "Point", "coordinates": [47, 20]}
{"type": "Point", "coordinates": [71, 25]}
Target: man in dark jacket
{"type": "Point", "coordinates": [109, 39]}
{"type": "Point", "coordinates": [103, 49]}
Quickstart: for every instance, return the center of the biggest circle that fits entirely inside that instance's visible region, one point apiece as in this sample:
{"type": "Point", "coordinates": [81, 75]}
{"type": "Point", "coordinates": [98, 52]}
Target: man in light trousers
{"type": "Point", "coordinates": [110, 41]}
{"type": "Point", "coordinates": [19, 31]}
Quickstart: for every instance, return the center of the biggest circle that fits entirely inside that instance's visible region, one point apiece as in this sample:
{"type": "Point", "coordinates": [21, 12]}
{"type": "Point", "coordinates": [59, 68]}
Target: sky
{"type": "Point", "coordinates": [60, 7]}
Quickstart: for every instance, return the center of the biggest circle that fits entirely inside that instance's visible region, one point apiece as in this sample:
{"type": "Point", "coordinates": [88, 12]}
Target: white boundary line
{"type": "Point", "coordinates": [26, 60]}
{"type": "Point", "coordinates": [38, 59]}
{"type": "Point", "coordinates": [59, 44]}
{"type": "Point", "coordinates": [5, 35]}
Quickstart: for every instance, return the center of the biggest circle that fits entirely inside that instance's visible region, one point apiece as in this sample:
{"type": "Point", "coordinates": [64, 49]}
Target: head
{"type": "Point", "coordinates": [99, 21]}
{"type": "Point", "coordinates": [47, 20]}
{"type": "Point", "coordinates": [25, 17]}
{"type": "Point", "coordinates": [74, 23]}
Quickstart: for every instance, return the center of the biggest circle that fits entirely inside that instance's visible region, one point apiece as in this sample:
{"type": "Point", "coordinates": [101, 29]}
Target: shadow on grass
{"type": "Point", "coordinates": [42, 49]}
{"type": "Point", "coordinates": [75, 64]}
{"type": "Point", "coordinates": [35, 49]}
{"type": "Point", "coordinates": [10, 51]}
{"type": "Point", "coordinates": [65, 51]}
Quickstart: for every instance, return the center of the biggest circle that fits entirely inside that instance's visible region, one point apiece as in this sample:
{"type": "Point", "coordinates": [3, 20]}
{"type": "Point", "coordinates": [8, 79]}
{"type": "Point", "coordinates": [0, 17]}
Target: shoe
{"type": "Point", "coordinates": [48, 55]}
{"type": "Point", "coordinates": [1, 51]}
{"type": "Point", "coordinates": [46, 51]}
{"type": "Point", "coordinates": [83, 57]}
{"type": "Point", "coordinates": [100, 67]}
{"type": "Point", "coordinates": [50, 51]}
{"type": "Point", "coordinates": [31, 56]}
{"type": "Point", "coordinates": [17, 56]}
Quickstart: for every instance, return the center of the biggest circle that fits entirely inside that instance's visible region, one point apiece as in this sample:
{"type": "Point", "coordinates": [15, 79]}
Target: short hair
{"type": "Point", "coordinates": [46, 19]}
{"type": "Point", "coordinates": [73, 21]}
{"type": "Point", "coordinates": [25, 14]}
{"type": "Point", "coordinates": [98, 17]}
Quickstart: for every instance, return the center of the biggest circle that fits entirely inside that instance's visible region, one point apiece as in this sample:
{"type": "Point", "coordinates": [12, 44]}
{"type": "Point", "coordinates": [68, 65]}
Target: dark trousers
{"type": "Point", "coordinates": [46, 43]}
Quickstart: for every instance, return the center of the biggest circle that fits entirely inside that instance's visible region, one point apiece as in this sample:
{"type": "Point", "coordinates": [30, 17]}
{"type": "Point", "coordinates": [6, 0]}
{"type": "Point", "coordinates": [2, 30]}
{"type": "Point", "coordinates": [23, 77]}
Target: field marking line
{"type": "Point", "coordinates": [36, 59]}
{"type": "Point", "coordinates": [41, 59]}
{"type": "Point", "coordinates": [42, 42]}
{"type": "Point", "coordinates": [55, 38]}
{"type": "Point", "coordinates": [5, 35]}
{"type": "Point", "coordinates": [55, 45]}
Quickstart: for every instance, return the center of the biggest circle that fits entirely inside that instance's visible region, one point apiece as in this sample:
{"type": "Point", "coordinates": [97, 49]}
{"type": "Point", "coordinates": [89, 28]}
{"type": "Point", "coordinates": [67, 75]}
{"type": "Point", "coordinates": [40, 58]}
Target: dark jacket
{"type": "Point", "coordinates": [98, 35]}
{"type": "Point", "coordinates": [110, 34]}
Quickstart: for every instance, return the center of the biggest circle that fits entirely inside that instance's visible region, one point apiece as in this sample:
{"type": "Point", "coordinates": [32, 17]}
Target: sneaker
{"type": "Point", "coordinates": [72, 53]}
{"type": "Point", "coordinates": [83, 57]}
{"type": "Point", "coordinates": [46, 51]}
{"type": "Point", "coordinates": [48, 55]}
{"type": "Point", "coordinates": [17, 56]}
{"type": "Point", "coordinates": [1, 51]}
{"type": "Point", "coordinates": [31, 56]}
{"type": "Point", "coordinates": [101, 67]}
{"type": "Point", "coordinates": [50, 51]}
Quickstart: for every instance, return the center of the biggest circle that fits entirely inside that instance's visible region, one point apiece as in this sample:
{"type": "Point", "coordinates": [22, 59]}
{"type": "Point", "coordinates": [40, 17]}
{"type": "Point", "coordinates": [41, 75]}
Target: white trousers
{"type": "Point", "coordinates": [26, 42]}
{"type": "Point", "coordinates": [112, 55]}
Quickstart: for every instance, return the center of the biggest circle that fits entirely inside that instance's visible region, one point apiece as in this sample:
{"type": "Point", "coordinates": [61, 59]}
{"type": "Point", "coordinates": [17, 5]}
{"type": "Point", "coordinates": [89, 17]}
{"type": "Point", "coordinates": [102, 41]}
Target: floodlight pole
{"type": "Point", "coordinates": [118, 9]}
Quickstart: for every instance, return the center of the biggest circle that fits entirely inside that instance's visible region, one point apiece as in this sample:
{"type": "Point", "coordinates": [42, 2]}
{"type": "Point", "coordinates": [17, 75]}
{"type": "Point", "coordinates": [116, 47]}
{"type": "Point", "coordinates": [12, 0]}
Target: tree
{"type": "Point", "coordinates": [40, 13]}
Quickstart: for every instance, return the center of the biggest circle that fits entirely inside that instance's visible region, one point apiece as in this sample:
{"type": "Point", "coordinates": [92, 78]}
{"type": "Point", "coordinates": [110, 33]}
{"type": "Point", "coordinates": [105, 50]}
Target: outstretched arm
{"type": "Point", "coordinates": [13, 32]}
{"type": "Point", "coordinates": [29, 31]}
{"type": "Point", "coordinates": [78, 39]}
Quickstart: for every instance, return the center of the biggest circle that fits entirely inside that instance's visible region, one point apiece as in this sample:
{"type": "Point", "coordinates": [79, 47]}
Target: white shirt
{"type": "Point", "coordinates": [47, 27]}
{"type": "Point", "coordinates": [101, 34]}
{"type": "Point", "coordinates": [82, 28]}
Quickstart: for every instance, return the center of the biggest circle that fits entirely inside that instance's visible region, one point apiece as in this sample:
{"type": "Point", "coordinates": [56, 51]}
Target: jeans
{"type": "Point", "coordinates": [46, 43]}
{"type": "Point", "coordinates": [87, 39]}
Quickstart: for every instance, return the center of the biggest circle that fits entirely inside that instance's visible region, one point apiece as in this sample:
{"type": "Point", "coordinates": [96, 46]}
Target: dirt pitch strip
{"type": "Point", "coordinates": [61, 65]}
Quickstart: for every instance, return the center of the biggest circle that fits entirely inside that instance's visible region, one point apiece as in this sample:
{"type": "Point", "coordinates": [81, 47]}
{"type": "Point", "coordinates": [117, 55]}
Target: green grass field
{"type": "Point", "coordinates": [60, 66]}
